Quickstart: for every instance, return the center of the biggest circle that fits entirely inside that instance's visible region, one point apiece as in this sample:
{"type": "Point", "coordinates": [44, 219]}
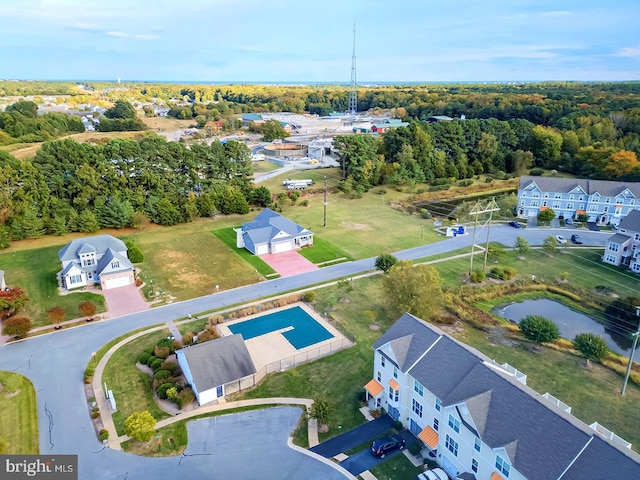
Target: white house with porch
{"type": "Point", "coordinates": [270, 232]}
{"type": "Point", "coordinates": [101, 259]}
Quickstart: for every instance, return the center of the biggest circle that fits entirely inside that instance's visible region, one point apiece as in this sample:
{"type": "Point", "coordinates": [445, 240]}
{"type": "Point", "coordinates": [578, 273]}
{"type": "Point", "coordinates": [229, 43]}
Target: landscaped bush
{"type": "Point", "coordinates": [503, 273]}
{"type": "Point", "coordinates": [162, 390]}
{"type": "Point", "coordinates": [309, 296]}
{"type": "Point", "coordinates": [104, 435]}
{"type": "Point", "coordinates": [478, 276]}
{"type": "Point", "coordinates": [151, 359]}
{"type": "Point", "coordinates": [88, 374]}
{"type": "Point", "coordinates": [173, 367]}
{"type": "Point", "coordinates": [304, 203]}
{"type": "Point", "coordinates": [95, 414]}
{"type": "Point", "coordinates": [161, 374]}
{"type": "Point", "coordinates": [424, 213]}
{"type": "Point", "coordinates": [156, 364]}
{"type": "Point", "coordinates": [187, 338]}
{"type": "Point", "coordinates": [206, 336]}
{"type": "Point", "coordinates": [465, 183]}
{"type": "Point", "coordinates": [536, 172]}
{"type": "Point", "coordinates": [162, 352]}
{"type": "Point", "coordinates": [185, 397]}
{"type": "Point", "coordinates": [144, 357]}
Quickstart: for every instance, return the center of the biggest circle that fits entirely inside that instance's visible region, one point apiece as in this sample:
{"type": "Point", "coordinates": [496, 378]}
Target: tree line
{"type": "Point", "coordinates": [70, 186]}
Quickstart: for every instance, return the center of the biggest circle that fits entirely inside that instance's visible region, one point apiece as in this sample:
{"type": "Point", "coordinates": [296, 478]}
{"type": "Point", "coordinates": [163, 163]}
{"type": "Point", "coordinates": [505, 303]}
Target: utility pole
{"type": "Point", "coordinates": [353, 93]}
{"type": "Point", "coordinates": [633, 350]}
{"type": "Point", "coordinates": [324, 222]}
{"type": "Point", "coordinates": [478, 209]}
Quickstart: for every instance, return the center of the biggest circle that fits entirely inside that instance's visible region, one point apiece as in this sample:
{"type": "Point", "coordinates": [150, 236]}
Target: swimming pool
{"type": "Point", "coordinates": [302, 329]}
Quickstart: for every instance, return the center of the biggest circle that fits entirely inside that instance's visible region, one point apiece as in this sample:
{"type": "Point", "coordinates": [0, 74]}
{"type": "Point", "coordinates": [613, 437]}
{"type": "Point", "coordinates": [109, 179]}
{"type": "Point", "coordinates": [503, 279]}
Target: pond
{"type": "Point", "coordinates": [570, 323]}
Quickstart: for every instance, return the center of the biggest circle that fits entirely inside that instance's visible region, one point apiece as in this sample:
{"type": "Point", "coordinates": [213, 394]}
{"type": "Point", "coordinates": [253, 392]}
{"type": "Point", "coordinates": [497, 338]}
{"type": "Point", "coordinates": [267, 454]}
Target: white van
{"type": "Point", "coordinates": [435, 474]}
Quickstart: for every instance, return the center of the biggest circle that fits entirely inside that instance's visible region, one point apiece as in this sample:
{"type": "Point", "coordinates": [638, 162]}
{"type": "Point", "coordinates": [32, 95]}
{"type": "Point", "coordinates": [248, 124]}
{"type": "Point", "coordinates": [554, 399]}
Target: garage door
{"type": "Point", "coordinates": [117, 282]}
{"type": "Point", "coordinates": [281, 247]}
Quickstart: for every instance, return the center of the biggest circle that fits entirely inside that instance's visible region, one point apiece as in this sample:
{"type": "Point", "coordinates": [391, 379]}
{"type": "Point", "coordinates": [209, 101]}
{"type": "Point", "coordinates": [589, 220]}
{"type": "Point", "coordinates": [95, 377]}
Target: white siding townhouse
{"type": "Point", "coordinates": [480, 417]}
{"type": "Point", "coordinates": [623, 247]}
{"type": "Point", "coordinates": [605, 202]}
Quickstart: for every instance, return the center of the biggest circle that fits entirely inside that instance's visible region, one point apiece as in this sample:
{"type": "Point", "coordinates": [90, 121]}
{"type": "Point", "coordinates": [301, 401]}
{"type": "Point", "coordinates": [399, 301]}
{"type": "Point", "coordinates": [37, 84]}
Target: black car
{"type": "Point", "coordinates": [515, 224]}
{"type": "Point", "coordinates": [384, 445]}
{"type": "Point", "coordinates": [575, 239]}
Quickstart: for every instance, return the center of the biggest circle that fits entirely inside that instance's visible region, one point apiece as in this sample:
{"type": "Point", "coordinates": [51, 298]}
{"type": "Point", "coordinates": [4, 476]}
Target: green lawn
{"type": "Point", "coordinates": [228, 236]}
{"type": "Point", "coordinates": [324, 252]}
{"type": "Point", "coordinates": [397, 467]}
{"type": "Point", "coordinates": [35, 272]}
{"type": "Point", "coordinates": [264, 166]}
{"type": "Point", "coordinates": [131, 387]}
{"type": "Point", "coordinates": [18, 415]}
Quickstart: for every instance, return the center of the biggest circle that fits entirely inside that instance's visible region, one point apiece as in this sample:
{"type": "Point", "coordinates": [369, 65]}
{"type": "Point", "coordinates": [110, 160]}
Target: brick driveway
{"type": "Point", "coordinates": [288, 263]}
{"type": "Point", "coordinates": [123, 301]}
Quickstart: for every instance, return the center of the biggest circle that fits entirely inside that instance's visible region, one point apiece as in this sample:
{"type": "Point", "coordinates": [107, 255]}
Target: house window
{"type": "Point", "coordinates": [502, 466]}
{"type": "Point", "coordinates": [452, 446]}
{"type": "Point", "coordinates": [544, 204]}
{"type": "Point", "coordinates": [571, 197]}
{"type": "Point", "coordinates": [558, 195]}
{"type": "Point", "coordinates": [379, 377]}
{"type": "Point", "coordinates": [636, 267]}
{"type": "Point", "coordinates": [115, 264]}
{"type": "Point", "coordinates": [436, 424]}
{"type": "Point", "coordinates": [417, 386]}
{"type": "Point", "coordinates": [636, 237]}
{"type": "Point", "coordinates": [619, 201]}
{"type": "Point", "coordinates": [546, 195]}
{"type": "Point", "coordinates": [606, 200]}
{"type": "Point", "coordinates": [89, 276]}
{"type": "Point", "coordinates": [580, 198]}
{"type": "Point", "coordinates": [438, 404]}
{"type": "Point", "coordinates": [534, 203]}
{"type": "Point", "coordinates": [606, 209]}
{"type": "Point", "coordinates": [569, 206]}
{"type": "Point", "coordinates": [632, 201]}
{"type": "Point", "coordinates": [395, 372]}
{"type": "Point", "coordinates": [75, 279]}
{"type": "Point", "coordinates": [610, 259]}
{"type": "Point", "coordinates": [535, 195]}
{"type": "Point", "coordinates": [474, 465]}
{"type": "Point", "coordinates": [476, 444]}
{"type": "Point", "coordinates": [393, 394]}
{"type": "Point", "coordinates": [593, 208]}
{"type": "Point", "coordinates": [454, 423]}
{"type": "Point", "coordinates": [382, 361]}
{"type": "Point", "coordinates": [556, 205]}
{"type": "Point", "coordinates": [417, 408]}
{"type": "Point", "coordinates": [614, 247]}
{"type": "Point", "coordinates": [524, 194]}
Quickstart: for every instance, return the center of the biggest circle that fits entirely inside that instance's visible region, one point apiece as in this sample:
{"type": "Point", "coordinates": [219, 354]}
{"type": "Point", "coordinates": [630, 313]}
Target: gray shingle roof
{"type": "Point", "coordinates": [619, 238]}
{"type": "Point", "coordinates": [601, 461]}
{"type": "Point", "coordinates": [540, 439]}
{"type": "Point", "coordinates": [605, 188]}
{"type": "Point", "coordinates": [268, 224]}
{"type": "Point", "coordinates": [218, 362]}
{"type": "Point", "coordinates": [100, 244]}
{"type": "Point", "coordinates": [631, 221]}
{"type": "Point", "coordinates": [106, 259]}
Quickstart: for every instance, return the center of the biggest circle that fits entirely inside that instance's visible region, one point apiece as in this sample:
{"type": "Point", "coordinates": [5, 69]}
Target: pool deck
{"type": "Point", "coordinates": [273, 347]}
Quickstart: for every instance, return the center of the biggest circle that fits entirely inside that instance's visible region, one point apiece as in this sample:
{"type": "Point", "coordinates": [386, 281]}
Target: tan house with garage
{"type": "Point", "coordinates": [101, 259]}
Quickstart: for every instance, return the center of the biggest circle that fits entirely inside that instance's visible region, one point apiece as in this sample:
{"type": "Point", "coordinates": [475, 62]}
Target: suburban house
{"type": "Point", "coordinates": [605, 202]}
{"type": "Point", "coordinates": [480, 418]}
{"type": "Point", "coordinates": [623, 247]}
{"type": "Point", "coordinates": [209, 366]}
{"type": "Point", "coordinates": [270, 232]}
{"type": "Point", "coordinates": [101, 259]}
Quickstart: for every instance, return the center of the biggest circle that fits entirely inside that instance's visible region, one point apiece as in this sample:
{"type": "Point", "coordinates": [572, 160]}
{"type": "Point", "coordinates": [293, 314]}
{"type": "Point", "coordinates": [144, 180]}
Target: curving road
{"type": "Point", "coordinates": [55, 363]}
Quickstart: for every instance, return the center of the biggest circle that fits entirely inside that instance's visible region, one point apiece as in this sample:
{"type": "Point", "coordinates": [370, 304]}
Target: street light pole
{"type": "Point", "coordinates": [633, 350]}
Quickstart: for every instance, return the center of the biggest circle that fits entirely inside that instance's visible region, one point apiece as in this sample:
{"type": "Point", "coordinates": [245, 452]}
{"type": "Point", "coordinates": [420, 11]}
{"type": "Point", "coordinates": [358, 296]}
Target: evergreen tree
{"type": "Point", "coordinates": [87, 222]}
{"type": "Point", "coordinates": [32, 224]}
{"type": "Point", "coordinates": [116, 213]}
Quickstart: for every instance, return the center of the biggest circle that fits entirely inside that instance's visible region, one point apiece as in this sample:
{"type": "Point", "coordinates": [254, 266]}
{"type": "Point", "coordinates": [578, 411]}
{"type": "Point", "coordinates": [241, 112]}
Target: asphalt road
{"type": "Point", "coordinates": [55, 362]}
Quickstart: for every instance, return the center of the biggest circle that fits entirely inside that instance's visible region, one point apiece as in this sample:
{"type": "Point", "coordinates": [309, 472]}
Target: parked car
{"type": "Point", "coordinates": [515, 224]}
{"type": "Point", "coordinates": [435, 474]}
{"type": "Point", "coordinates": [384, 445]}
{"type": "Point", "coordinates": [561, 240]}
{"type": "Point", "coordinates": [576, 239]}
{"type": "Point", "coordinates": [568, 221]}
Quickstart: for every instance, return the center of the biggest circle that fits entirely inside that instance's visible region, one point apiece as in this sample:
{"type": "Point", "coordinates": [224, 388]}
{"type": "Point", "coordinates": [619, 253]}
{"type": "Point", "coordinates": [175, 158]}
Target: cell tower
{"type": "Point", "coordinates": [353, 93]}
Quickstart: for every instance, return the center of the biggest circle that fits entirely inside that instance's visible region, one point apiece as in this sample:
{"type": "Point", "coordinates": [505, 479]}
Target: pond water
{"type": "Point", "coordinates": [569, 323]}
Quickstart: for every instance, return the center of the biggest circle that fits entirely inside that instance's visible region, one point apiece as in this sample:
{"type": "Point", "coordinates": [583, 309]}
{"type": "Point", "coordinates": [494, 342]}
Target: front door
{"type": "Point", "coordinates": [220, 391]}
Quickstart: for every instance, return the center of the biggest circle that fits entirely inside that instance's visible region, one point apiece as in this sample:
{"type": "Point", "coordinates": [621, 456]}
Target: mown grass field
{"type": "Point", "coordinates": [34, 271]}
{"type": "Point", "coordinates": [132, 387]}
{"type": "Point", "coordinates": [324, 252]}
{"type": "Point", "coordinates": [18, 415]}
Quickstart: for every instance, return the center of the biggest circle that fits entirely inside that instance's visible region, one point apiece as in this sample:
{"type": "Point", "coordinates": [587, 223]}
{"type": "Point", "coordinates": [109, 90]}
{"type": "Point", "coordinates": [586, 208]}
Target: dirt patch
{"type": "Point", "coordinates": [12, 394]}
{"type": "Point", "coordinates": [356, 226]}
{"type": "Point", "coordinates": [198, 278]}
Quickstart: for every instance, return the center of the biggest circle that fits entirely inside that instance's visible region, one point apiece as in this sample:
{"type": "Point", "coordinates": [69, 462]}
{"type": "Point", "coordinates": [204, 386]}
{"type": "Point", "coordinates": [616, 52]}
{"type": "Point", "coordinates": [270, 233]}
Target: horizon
{"type": "Point", "coordinates": [300, 42]}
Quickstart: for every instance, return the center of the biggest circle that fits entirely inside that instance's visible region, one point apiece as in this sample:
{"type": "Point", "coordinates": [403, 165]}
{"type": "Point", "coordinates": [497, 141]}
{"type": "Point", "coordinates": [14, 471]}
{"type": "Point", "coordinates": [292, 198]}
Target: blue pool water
{"type": "Point", "coordinates": [306, 331]}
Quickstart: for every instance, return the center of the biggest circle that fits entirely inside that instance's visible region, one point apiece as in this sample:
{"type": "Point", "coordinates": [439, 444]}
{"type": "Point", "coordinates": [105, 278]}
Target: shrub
{"type": "Point", "coordinates": [156, 364]}
{"type": "Point", "coordinates": [478, 276]}
{"type": "Point", "coordinates": [439, 188]}
{"type": "Point", "coordinates": [152, 359]}
{"type": "Point", "coordinates": [539, 329]}
{"type": "Point", "coordinates": [187, 338]}
{"type": "Point", "coordinates": [104, 435]}
{"type": "Point", "coordinates": [309, 296]}
{"type": "Point", "coordinates": [173, 367]}
{"type": "Point", "coordinates": [88, 373]}
{"type": "Point", "coordinates": [536, 172]}
{"type": "Point", "coordinates": [95, 414]}
{"type": "Point", "coordinates": [140, 426]}
{"type": "Point", "coordinates": [162, 374]}
{"type": "Point", "coordinates": [144, 357]}
{"type": "Point", "coordinates": [162, 352]}
{"type": "Point", "coordinates": [304, 203]}
{"type": "Point", "coordinates": [165, 342]}
{"type": "Point", "coordinates": [185, 397]}
{"type": "Point", "coordinates": [162, 390]}
{"type": "Point", "coordinates": [502, 273]}
{"type": "Point", "coordinates": [133, 252]}
{"type": "Point", "coordinates": [466, 183]}
{"type": "Point", "coordinates": [424, 213]}
{"type": "Point", "coordinates": [206, 336]}
{"type": "Point", "coordinates": [16, 326]}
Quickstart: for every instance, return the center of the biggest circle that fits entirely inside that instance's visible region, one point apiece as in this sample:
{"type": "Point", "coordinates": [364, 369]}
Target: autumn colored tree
{"type": "Point", "coordinates": [621, 163]}
{"type": "Point", "coordinates": [16, 326]}
{"type": "Point", "coordinates": [87, 309]}
{"type": "Point", "coordinates": [140, 425]}
{"type": "Point", "coordinates": [56, 316]}
{"type": "Point", "coordinates": [11, 300]}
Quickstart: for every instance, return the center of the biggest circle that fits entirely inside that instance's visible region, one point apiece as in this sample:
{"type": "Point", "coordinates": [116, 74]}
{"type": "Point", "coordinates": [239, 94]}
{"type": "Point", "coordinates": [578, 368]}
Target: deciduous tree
{"type": "Point", "coordinates": [591, 346]}
{"type": "Point", "coordinates": [56, 315]}
{"type": "Point", "coordinates": [416, 290]}
{"type": "Point", "coordinates": [539, 329]}
{"type": "Point", "coordinates": [16, 326]}
{"type": "Point", "coordinates": [522, 246]}
{"type": "Point", "coordinates": [385, 261]}
{"type": "Point", "coordinates": [87, 308]}
{"type": "Point", "coordinates": [140, 426]}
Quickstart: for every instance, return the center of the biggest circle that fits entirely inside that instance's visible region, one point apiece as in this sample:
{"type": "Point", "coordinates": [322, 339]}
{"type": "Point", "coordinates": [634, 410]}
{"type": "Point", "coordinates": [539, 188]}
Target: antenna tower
{"type": "Point", "coordinates": [353, 93]}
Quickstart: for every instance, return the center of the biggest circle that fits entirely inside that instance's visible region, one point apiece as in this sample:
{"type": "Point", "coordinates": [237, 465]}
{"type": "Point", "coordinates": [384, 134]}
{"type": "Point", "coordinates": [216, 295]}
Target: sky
{"type": "Point", "coordinates": [307, 41]}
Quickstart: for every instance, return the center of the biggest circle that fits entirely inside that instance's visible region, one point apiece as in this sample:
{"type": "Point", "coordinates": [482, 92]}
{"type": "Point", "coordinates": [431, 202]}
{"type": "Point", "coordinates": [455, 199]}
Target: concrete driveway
{"type": "Point", "coordinates": [288, 263]}
{"type": "Point", "coordinates": [123, 301]}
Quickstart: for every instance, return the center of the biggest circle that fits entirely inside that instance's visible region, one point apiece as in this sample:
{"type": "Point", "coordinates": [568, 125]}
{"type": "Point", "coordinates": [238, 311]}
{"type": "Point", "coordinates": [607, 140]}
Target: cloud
{"type": "Point", "coordinates": [116, 34]}
{"type": "Point", "coordinates": [628, 52]}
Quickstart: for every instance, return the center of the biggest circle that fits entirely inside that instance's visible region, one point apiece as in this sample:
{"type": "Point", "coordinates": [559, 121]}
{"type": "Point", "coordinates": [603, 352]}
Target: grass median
{"type": "Point", "coordinates": [18, 415]}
